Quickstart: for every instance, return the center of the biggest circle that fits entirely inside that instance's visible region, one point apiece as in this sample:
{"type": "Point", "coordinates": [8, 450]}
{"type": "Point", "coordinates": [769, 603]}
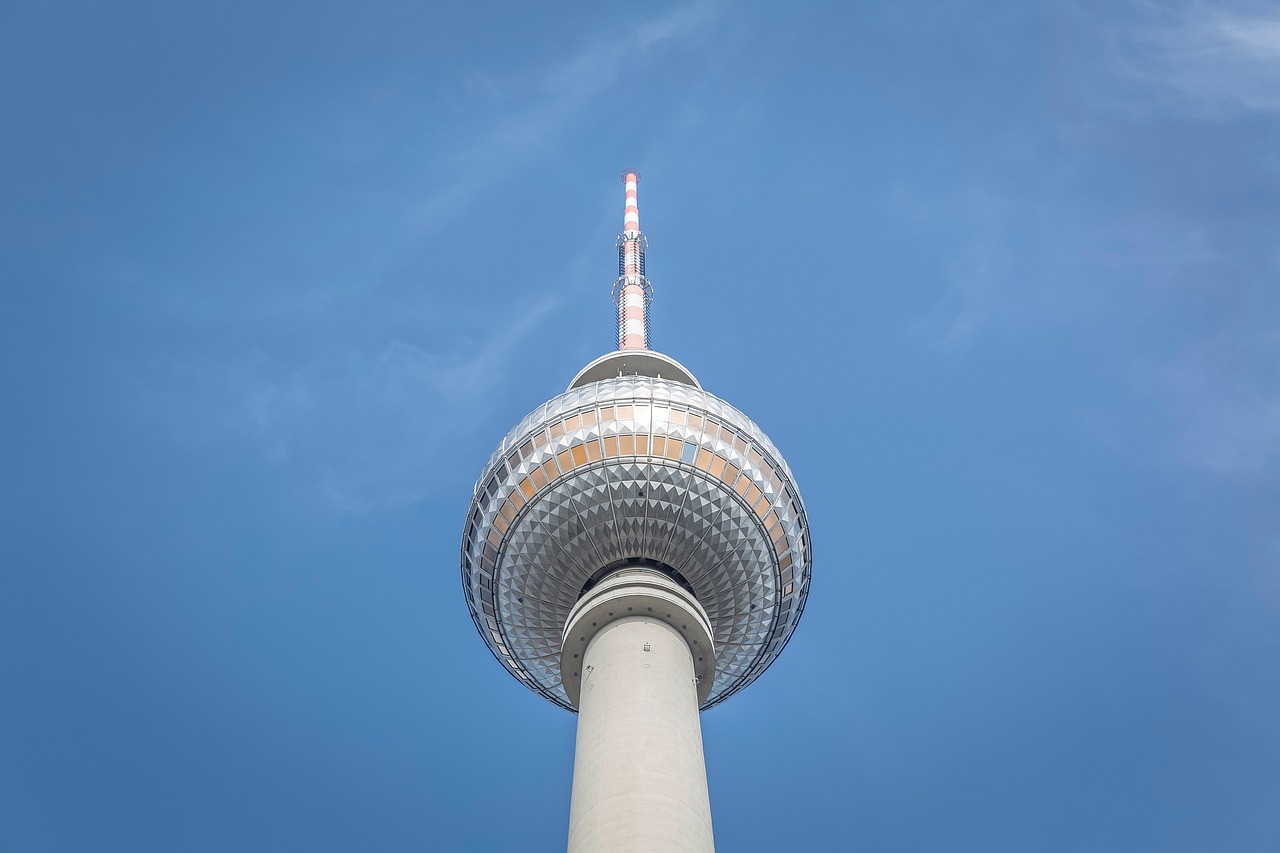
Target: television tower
{"type": "Point", "coordinates": [636, 551]}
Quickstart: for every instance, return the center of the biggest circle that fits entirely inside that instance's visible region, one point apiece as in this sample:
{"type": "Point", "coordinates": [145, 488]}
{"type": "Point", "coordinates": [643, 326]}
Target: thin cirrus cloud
{"type": "Point", "coordinates": [1210, 61]}
{"type": "Point", "coordinates": [1220, 391]}
{"type": "Point", "coordinates": [1187, 60]}
{"type": "Point", "coordinates": [978, 275]}
{"type": "Point", "coordinates": [358, 430]}
{"type": "Point", "coordinates": [371, 431]}
{"type": "Point", "coordinates": [1226, 392]}
{"type": "Point", "coordinates": [528, 110]}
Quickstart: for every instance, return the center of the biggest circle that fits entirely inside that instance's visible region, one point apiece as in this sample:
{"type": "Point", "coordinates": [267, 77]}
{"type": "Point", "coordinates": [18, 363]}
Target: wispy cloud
{"type": "Point", "coordinates": [1204, 378]}
{"type": "Point", "coordinates": [1201, 59]}
{"type": "Point", "coordinates": [977, 275]}
{"type": "Point", "coordinates": [527, 111]}
{"type": "Point", "coordinates": [360, 429]}
{"type": "Point", "coordinates": [1226, 395]}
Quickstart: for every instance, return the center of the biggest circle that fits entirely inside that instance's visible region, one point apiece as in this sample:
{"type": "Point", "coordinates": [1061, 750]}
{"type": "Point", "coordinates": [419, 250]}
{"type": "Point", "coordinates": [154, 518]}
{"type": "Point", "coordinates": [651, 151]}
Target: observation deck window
{"type": "Point", "coordinates": [689, 453]}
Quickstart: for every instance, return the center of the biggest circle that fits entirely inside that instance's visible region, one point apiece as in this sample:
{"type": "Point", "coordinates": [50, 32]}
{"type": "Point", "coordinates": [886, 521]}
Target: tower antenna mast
{"type": "Point", "coordinates": [632, 292]}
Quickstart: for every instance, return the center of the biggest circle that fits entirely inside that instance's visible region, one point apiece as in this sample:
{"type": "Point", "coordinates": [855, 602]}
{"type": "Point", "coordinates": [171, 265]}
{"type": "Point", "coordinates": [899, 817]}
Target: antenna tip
{"type": "Point", "coordinates": [631, 175]}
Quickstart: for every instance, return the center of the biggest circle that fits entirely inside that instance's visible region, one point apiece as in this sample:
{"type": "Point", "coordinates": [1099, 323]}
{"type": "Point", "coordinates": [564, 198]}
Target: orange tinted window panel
{"type": "Point", "coordinates": [704, 459]}
{"type": "Point", "coordinates": [611, 445]}
{"type": "Point", "coordinates": [573, 423]}
{"type": "Point", "coordinates": [539, 479]}
{"type": "Point", "coordinates": [717, 466]}
{"type": "Point", "coordinates": [593, 450]}
{"type": "Point", "coordinates": [674, 446]}
{"type": "Point", "coordinates": [589, 418]}
{"type": "Point", "coordinates": [742, 485]}
{"type": "Point", "coordinates": [501, 523]}
{"type": "Point", "coordinates": [549, 469]}
{"type": "Point", "coordinates": [753, 495]}
{"type": "Point", "coordinates": [624, 413]}
{"type": "Point", "coordinates": [626, 444]}
{"type": "Point", "coordinates": [659, 446]}
{"type": "Point", "coordinates": [579, 455]}
{"type": "Point", "coordinates": [557, 430]}
{"type": "Point", "coordinates": [642, 445]}
{"type": "Point", "coordinates": [730, 474]}
{"type": "Point", "coordinates": [565, 458]}
{"type": "Point", "coordinates": [527, 487]}
{"type": "Point", "coordinates": [517, 499]}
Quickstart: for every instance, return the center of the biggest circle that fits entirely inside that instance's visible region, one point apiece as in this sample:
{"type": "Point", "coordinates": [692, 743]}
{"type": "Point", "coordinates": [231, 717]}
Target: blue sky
{"type": "Point", "coordinates": [999, 279]}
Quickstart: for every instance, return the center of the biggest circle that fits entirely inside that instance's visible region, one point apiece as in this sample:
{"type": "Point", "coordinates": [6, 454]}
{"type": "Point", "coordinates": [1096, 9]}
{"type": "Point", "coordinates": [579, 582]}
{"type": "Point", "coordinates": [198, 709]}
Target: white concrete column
{"type": "Point", "coordinates": [637, 661]}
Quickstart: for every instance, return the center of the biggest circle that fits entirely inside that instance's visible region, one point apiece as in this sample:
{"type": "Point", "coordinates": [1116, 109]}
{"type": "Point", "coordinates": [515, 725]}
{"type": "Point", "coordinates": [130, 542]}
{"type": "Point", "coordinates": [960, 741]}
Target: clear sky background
{"type": "Point", "coordinates": [1000, 280]}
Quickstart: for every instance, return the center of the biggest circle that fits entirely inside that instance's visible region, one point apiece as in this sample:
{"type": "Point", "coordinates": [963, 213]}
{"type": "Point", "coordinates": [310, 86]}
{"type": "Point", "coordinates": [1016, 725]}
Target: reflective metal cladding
{"type": "Point", "coordinates": [635, 468]}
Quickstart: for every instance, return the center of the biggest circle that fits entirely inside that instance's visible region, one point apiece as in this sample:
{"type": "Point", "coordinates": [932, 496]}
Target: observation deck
{"type": "Point", "coordinates": [635, 465]}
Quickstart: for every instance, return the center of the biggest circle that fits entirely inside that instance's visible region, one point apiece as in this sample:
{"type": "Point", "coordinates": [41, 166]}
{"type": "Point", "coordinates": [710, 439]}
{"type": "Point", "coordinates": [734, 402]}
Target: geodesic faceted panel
{"type": "Point", "coordinates": [635, 468]}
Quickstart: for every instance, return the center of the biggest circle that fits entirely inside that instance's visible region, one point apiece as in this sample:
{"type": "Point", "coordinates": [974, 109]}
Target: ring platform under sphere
{"type": "Point", "coordinates": [635, 469]}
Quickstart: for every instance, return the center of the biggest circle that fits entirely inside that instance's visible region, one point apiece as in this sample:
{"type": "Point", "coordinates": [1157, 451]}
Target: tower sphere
{"type": "Point", "coordinates": [635, 465]}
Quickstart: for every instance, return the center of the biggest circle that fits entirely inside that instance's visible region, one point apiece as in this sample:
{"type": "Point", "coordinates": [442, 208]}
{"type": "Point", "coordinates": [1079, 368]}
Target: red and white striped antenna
{"type": "Point", "coordinates": [632, 292]}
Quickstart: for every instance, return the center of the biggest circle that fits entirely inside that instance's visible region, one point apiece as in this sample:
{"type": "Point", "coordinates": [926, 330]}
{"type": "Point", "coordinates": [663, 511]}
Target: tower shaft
{"type": "Point", "coordinates": [639, 777]}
